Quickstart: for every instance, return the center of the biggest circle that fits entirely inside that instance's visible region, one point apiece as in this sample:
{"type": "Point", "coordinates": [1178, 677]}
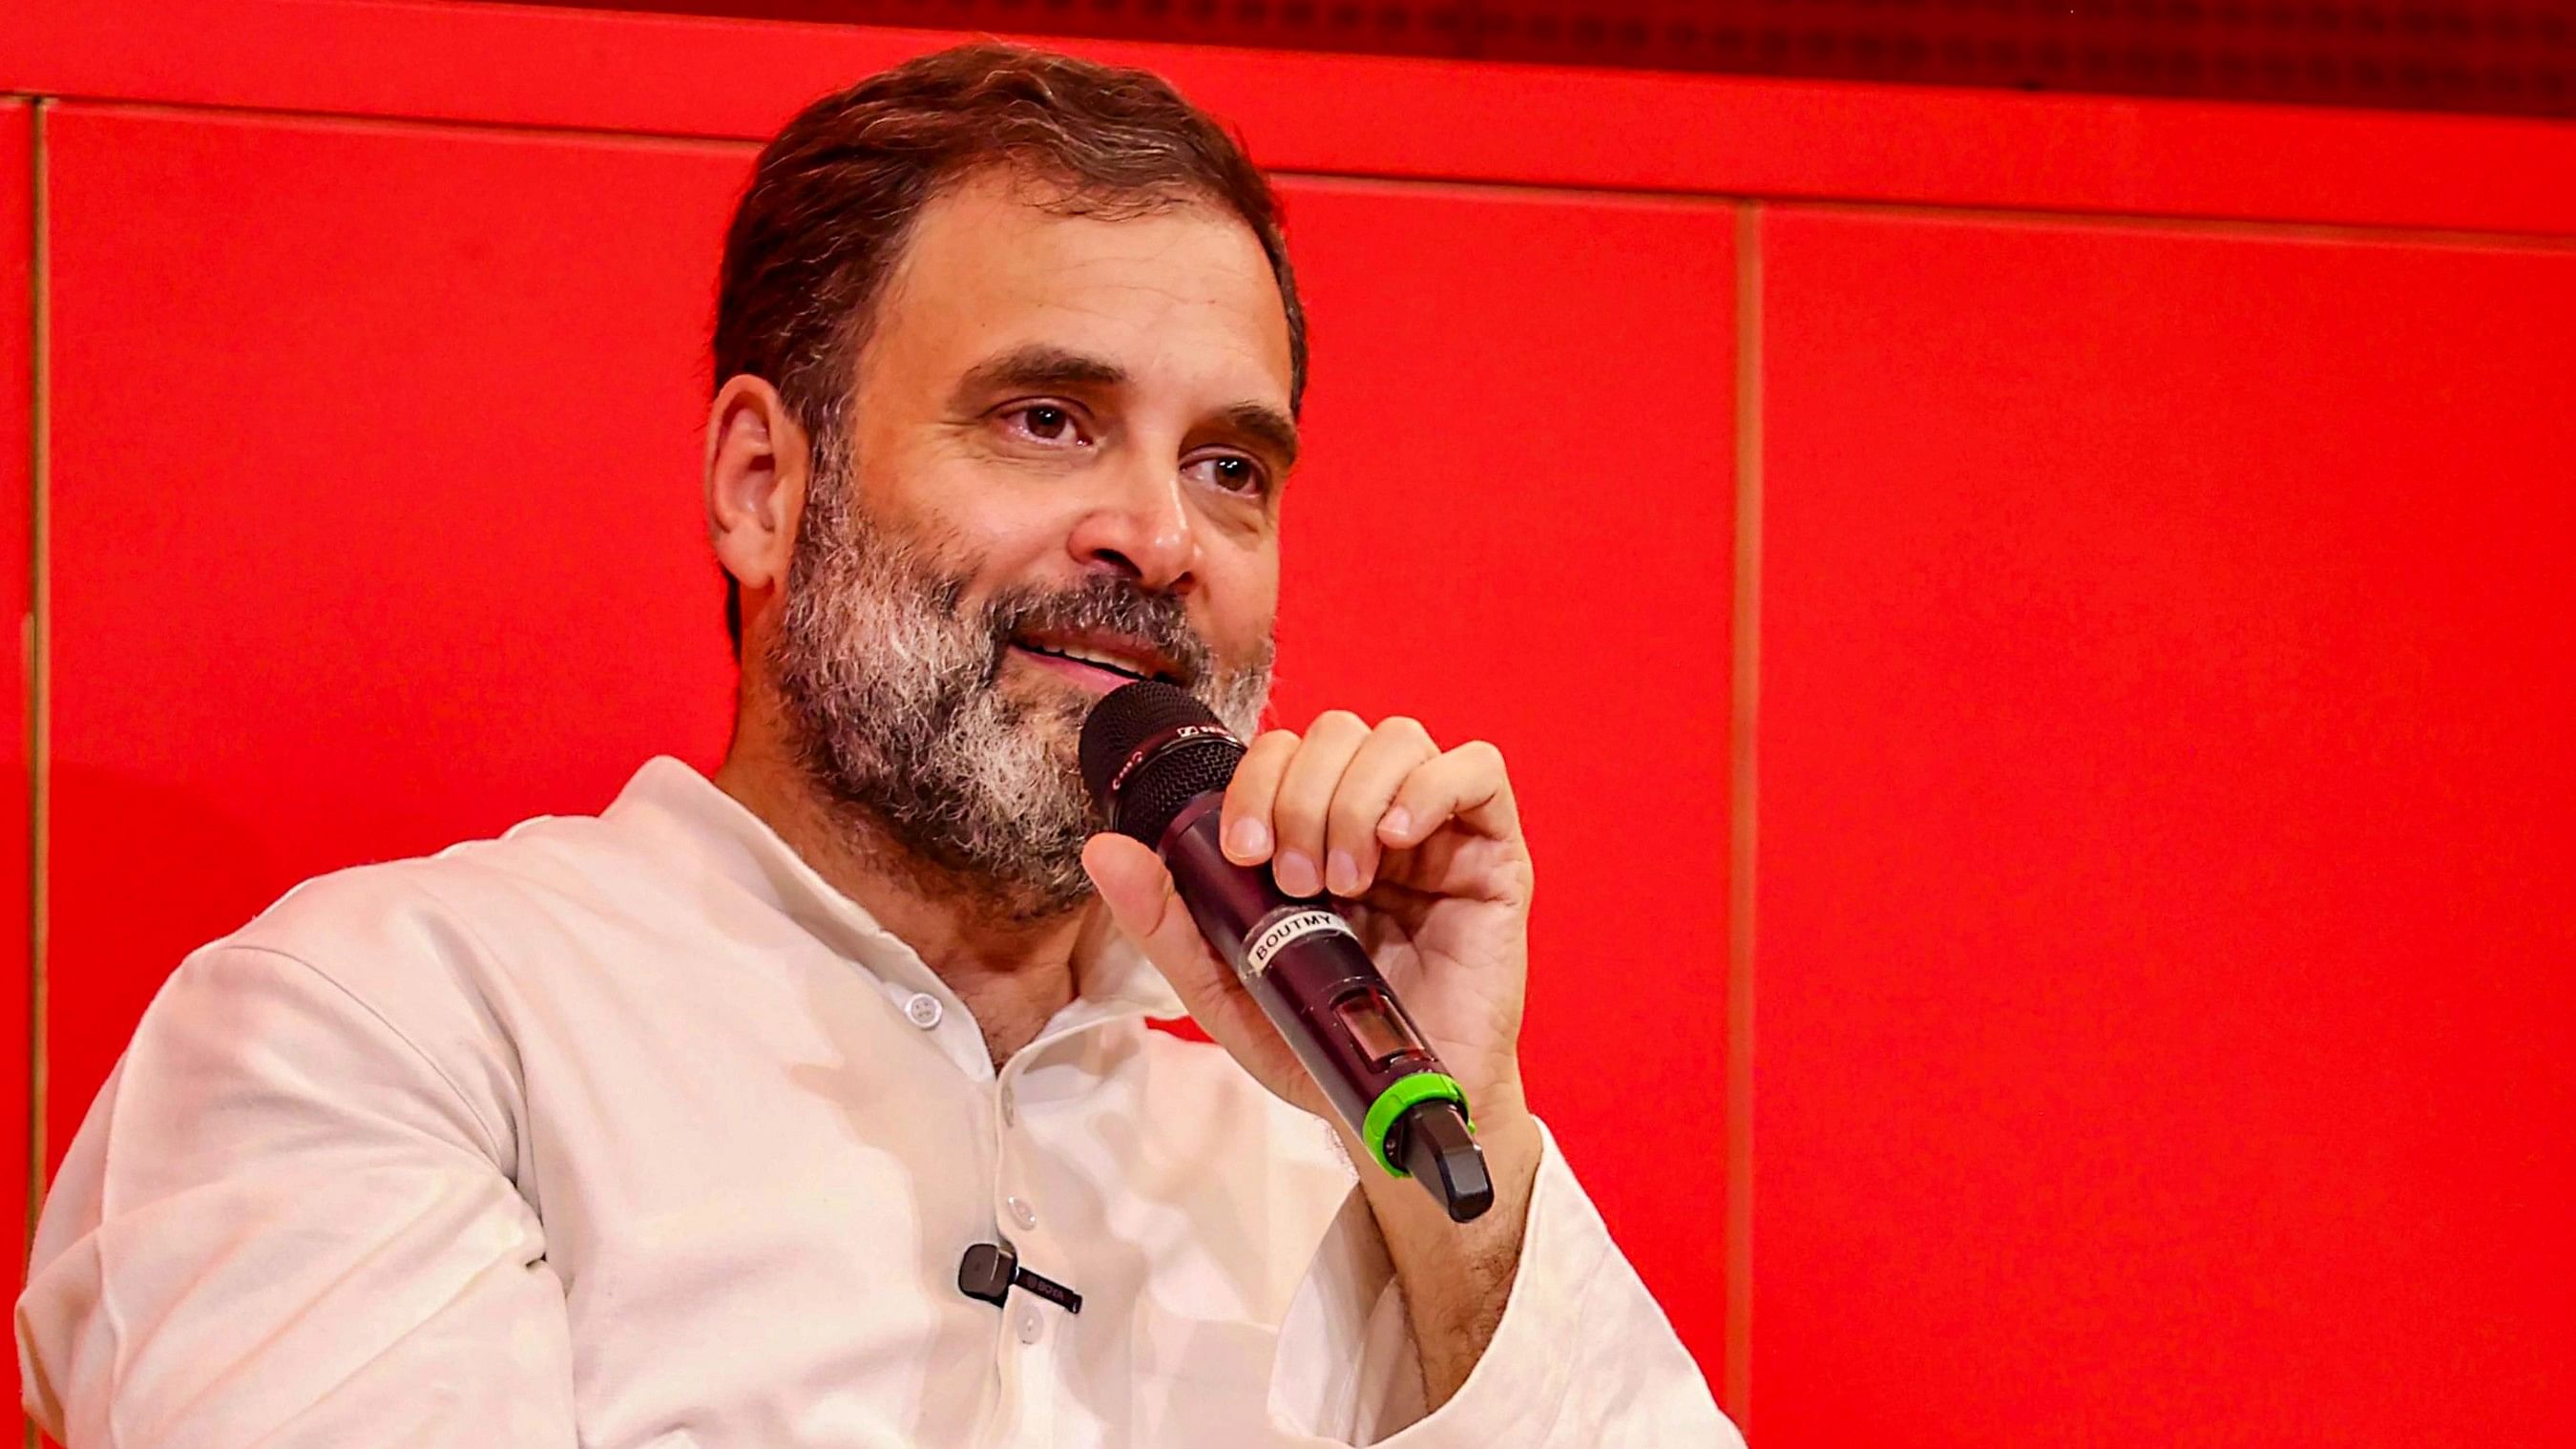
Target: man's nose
{"type": "Point", "coordinates": [1141, 527]}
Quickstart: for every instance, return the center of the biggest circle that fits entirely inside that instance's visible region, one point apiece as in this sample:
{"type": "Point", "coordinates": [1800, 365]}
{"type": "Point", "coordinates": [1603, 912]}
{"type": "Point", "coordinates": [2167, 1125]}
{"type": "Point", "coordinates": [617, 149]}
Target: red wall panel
{"type": "Point", "coordinates": [2162, 1016]}
{"type": "Point", "coordinates": [1516, 522]}
{"type": "Point", "coordinates": [2162, 1002]}
{"type": "Point", "coordinates": [376, 519]}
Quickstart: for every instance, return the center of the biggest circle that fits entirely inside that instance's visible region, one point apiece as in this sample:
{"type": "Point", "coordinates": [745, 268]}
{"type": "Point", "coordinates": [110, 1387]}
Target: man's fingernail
{"type": "Point", "coordinates": [1341, 873]}
{"type": "Point", "coordinates": [1248, 840]}
{"type": "Point", "coordinates": [1396, 822]}
{"type": "Point", "coordinates": [1295, 873]}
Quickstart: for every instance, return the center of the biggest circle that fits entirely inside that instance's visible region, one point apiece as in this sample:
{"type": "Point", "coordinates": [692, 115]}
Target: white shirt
{"type": "Point", "coordinates": [630, 1130]}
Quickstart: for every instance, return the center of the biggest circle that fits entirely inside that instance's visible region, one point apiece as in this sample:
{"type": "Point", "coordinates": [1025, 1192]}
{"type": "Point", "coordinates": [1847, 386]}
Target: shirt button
{"type": "Point", "coordinates": [1029, 1326]}
{"type": "Point", "coordinates": [1010, 1108]}
{"type": "Point", "coordinates": [1023, 1214]}
{"type": "Point", "coordinates": [924, 1010]}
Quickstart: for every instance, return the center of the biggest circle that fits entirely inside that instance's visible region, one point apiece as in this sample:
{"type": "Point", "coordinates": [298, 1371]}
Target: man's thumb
{"type": "Point", "coordinates": [1136, 887]}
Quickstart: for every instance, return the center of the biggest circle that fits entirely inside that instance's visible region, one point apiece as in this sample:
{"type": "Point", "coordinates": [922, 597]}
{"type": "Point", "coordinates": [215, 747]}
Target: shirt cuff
{"type": "Point", "coordinates": [1348, 1372]}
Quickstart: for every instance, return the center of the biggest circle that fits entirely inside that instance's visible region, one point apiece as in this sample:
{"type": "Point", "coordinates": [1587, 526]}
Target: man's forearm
{"type": "Point", "coordinates": [1456, 1277]}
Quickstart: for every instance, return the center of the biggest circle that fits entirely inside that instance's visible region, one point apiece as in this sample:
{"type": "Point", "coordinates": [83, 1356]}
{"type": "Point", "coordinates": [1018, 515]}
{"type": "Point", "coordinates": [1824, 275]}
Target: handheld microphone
{"type": "Point", "coordinates": [1157, 761]}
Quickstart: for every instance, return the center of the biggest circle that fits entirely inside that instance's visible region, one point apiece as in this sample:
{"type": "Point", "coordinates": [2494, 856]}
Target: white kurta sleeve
{"type": "Point", "coordinates": [1583, 1357]}
{"type": "Point", "coordinates": [283, 1224]}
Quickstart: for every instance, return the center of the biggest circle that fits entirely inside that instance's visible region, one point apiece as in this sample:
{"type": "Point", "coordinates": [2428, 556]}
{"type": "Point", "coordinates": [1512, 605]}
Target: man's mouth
{"type": "Point", "coordinates": [1098, 663]}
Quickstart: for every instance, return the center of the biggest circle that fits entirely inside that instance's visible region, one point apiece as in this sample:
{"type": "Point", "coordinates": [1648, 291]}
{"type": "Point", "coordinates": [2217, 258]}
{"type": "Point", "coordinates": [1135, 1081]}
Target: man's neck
{"type": "Point", "coordinates": [1013, 975]}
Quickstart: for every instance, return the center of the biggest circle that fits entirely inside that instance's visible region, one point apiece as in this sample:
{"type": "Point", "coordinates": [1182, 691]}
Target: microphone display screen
{"type": "Point", "coordinates": [1380, 1031]}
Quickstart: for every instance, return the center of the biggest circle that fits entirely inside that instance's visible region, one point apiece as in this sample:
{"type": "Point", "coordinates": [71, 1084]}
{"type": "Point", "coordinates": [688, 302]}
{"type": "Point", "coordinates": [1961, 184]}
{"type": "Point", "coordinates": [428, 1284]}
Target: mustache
{"type": "Point", "coordinates": [1100, 602]}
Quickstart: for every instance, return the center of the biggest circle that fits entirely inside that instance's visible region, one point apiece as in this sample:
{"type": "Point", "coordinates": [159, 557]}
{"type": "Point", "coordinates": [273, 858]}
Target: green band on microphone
{"type": "Point", "coordinates": [1403, 1093]}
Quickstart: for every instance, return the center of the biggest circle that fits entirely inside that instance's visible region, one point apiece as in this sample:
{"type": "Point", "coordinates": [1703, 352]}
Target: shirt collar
{"type": "Point", "coordinates": [668, 799]}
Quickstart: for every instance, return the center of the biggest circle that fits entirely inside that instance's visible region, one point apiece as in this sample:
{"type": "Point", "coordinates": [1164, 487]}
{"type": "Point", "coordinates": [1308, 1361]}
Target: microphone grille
{"type": "Point", "coordinates": [1178, 773]}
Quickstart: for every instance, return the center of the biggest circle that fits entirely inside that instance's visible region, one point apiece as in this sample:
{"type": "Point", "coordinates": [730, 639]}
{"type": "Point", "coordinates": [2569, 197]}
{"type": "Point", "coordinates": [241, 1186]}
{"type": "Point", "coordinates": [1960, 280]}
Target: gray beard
{"type": "Point", "coordinates": [891, 695]}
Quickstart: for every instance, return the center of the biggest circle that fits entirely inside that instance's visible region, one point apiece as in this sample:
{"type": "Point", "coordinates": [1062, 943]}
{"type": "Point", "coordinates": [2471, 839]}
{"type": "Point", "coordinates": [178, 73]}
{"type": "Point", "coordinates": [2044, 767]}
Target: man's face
{"type": "Point", "coordinates": [1067, 436]}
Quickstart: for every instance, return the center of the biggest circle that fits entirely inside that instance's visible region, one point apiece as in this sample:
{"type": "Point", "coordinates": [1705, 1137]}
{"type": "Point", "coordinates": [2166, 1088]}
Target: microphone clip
{"type": "Point", "coordinates": [989, 1272]}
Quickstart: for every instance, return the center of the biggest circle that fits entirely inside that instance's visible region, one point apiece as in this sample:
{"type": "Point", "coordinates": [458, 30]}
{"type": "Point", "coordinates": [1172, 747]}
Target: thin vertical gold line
{"type": "Point", "coordinates": [1737, 1389]}
{"type": "Point", "coordinates": [35, 629]}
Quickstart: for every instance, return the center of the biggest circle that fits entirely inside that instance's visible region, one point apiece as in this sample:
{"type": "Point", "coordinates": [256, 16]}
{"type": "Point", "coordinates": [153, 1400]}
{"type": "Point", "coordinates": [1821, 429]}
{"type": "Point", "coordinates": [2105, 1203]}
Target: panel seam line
{"type": "Point", "coordinates": [2417, 234]}
{"type": "Point", "coordinates": [35, 626]}
{"type": "Point", "coordinates": [1743, 717]}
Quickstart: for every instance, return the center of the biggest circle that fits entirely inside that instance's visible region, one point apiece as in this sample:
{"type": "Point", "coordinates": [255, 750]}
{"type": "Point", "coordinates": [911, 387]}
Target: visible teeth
{"type": "Point", "coordinates": [1106, 661]}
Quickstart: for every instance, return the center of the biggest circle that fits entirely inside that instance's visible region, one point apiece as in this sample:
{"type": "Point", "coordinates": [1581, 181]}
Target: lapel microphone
{"type": "Point", "coordinates": [990, 1271]}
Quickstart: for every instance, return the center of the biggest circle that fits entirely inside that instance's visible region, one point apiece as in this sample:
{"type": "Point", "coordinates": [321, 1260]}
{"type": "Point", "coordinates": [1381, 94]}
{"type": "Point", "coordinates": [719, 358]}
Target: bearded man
{"type": "Point", "coordinates": [669, 1127]}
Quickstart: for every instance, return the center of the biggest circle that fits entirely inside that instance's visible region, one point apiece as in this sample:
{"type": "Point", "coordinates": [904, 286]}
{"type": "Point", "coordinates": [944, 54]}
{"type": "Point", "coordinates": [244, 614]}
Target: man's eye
{"type": "Point", "coordinates": [1229, 471]}
{"type": "Point", "coordinates": [1046, 423]}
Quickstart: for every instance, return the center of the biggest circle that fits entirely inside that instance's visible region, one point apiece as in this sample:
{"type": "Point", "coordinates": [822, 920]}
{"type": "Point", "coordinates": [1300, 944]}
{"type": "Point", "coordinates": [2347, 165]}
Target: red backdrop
{"type": "Point", "coordinates": [2031, 629]}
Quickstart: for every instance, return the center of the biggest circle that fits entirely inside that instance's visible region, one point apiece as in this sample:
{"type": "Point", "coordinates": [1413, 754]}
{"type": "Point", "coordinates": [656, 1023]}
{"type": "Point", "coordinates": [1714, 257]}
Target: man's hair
{"type": "Point", "coordinates": [834, 195]}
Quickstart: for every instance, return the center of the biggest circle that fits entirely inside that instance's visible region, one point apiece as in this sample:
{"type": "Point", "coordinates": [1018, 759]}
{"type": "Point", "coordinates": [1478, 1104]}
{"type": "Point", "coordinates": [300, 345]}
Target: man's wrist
{"type": "Point", "coordinates": [1456, 1277]}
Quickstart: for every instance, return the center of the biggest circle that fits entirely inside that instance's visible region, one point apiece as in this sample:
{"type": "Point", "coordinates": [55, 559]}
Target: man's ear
{"type": "Point", "coordinates": [758, 463]}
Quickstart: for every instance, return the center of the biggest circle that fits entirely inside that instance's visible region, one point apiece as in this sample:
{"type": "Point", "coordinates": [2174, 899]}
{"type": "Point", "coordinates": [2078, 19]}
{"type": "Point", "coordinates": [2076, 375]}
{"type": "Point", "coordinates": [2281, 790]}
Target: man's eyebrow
{"type": "Point", "coordinates": [1041, 367]}
{"type": "Point", "coordinates": [1038, 367]}
{"type": "Point", "coordinates": [1265, 425]}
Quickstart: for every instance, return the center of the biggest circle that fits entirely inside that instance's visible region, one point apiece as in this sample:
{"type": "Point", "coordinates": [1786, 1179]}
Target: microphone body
{"type": "Point", "coordinates": [1295, 956]}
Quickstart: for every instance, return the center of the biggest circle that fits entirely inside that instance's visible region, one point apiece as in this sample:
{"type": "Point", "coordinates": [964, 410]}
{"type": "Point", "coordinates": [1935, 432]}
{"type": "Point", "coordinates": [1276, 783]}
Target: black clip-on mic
{"type": "Point", "coordinates": [1157, 762]}
{"type": "Point", "coordinates": [990, 1271]}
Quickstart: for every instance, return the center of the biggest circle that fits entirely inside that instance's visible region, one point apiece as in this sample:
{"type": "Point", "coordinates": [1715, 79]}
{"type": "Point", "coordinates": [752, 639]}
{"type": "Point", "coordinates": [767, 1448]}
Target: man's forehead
{"type": "Point", "coordinates": [993, 265]}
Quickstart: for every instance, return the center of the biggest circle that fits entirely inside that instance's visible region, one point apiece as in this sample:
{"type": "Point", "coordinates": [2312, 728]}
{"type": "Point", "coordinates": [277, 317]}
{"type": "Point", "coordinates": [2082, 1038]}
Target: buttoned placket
{"type": "Point", "coordinates": [1028, 1336]}
{"type": "Point", "coordinates": [916, 993]}
{"type": "Point", "coordinates": [1024, 1341]}
{"type": "Point", "coordinates": [1028, 1329]}
{"type": "Point", "coordinates": [946, 1022]}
